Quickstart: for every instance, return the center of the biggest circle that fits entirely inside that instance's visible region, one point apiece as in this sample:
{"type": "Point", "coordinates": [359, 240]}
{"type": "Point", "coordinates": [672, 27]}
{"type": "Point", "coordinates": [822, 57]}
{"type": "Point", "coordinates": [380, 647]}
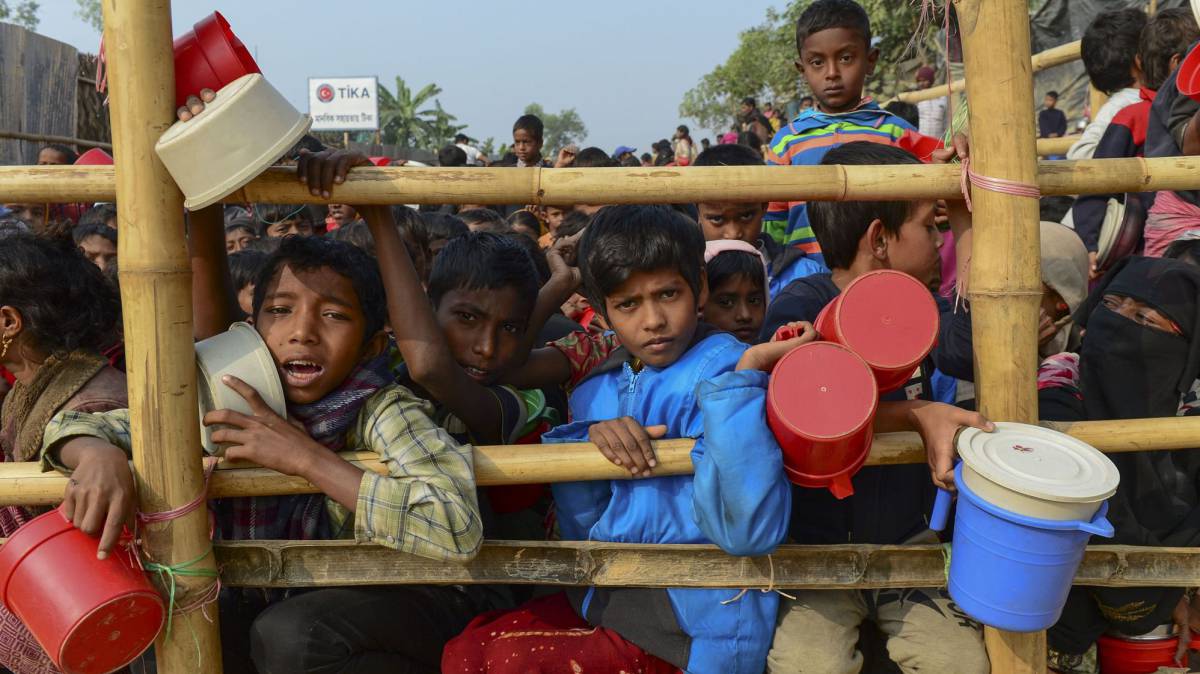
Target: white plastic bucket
{"type": "Point", "coordinates": [240, 352]}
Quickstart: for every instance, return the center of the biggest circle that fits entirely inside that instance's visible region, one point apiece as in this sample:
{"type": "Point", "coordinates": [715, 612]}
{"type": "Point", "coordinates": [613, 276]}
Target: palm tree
{"type": "Point", "coordinates": [403, 121]}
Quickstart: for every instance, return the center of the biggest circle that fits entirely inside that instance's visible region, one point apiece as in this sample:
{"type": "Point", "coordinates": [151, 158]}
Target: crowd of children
{"type": "Point", "coordinates": [416, 333]}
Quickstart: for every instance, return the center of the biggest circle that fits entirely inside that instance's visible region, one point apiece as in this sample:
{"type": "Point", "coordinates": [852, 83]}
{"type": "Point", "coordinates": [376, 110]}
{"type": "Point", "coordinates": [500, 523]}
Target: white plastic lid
{"type": "Point", "coordinates": [1039, 462]}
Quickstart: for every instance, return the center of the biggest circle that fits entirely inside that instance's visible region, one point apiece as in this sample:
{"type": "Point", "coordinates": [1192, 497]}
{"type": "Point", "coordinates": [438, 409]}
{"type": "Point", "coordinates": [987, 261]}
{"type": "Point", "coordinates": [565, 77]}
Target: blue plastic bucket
{"type": "Point", "coordinates": [1007, 570]}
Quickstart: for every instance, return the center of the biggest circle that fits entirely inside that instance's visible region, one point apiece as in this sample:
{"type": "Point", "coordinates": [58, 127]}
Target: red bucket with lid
{"type": "Point", "coordinates": [91, 616]}
{"type": "Point", "coordinates": [208, 57]}
{"type": "Point", "coordinates": [1116, 655]}
{"type": "Point", "coordinates": [94, 157]}
{"type": "Point", "coordinates": [821, 403]}
{"type": "Point", "coordinates": [889, 319]}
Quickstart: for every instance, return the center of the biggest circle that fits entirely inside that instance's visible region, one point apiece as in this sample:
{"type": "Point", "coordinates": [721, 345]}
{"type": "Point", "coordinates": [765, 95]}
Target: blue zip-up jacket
{"type": "Point", "coordinates": [738, 498]}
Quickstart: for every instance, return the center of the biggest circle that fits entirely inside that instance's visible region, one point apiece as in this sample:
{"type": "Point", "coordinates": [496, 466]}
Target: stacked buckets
{"type": "Point", "coordinates": [823, 395]}
{"type": "Point", "coordinates": [1029, 499]}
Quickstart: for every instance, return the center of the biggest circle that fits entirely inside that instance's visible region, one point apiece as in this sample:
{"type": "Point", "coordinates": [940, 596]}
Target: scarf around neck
{"type": "Point", "coordinates": [328, 420]}
{"type": "Point", "coordinates": [29, 407]}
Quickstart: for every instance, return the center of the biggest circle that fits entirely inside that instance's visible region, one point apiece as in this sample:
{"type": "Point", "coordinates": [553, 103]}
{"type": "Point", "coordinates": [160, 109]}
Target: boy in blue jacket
{"type": "Point", "coordinates": [643, 268]}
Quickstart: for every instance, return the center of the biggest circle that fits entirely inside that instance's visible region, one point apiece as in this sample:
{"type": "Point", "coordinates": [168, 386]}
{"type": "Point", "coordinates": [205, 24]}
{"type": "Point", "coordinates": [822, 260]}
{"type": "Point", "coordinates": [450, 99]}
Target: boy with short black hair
{"type": "Point", "coordinates": [642, 266]}
{"type": "Point", "coordinates": [925, 631]}
{"type": "Point", "coordinates": [744, 222]}
{"type": "Point", "coordinates": [280, 220]}
{"type": "Point", "coordinates": [452, 155]}
{"type": "Point", "coordinates": [833, 41]}
{"type": "Point", "coordinates": [98, 243]}
{"type": "Point", "coordinates": [319, 306]}
{"type": "Point", "coordinates": [440, 229]}
{"type": "Point", "coordinates": [1109, 53]}
{"type": "Point", "coordinates": [527, 140]}
{"type": "Point", "coordinates": [1052, 122]}
{"type": "Point", "coordinates": [483, 220]}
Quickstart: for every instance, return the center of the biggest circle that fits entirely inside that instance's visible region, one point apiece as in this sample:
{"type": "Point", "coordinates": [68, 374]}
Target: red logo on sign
{"type": "Point", "coordinates": [324, 93]}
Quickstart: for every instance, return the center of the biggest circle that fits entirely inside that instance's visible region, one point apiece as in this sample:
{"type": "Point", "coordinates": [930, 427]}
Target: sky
{"type": "Point", "coordinates": [624, 65]}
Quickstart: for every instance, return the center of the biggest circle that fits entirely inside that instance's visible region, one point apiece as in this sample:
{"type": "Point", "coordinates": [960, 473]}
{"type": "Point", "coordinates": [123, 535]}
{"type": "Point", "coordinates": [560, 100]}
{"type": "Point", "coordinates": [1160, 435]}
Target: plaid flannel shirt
{"type": "Point", "coordinates": [426, 504]}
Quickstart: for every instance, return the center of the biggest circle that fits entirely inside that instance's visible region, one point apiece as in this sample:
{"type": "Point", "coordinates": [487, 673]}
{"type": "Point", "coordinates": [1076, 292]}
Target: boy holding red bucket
{"type": "Point", "coordinates": [925, 630]}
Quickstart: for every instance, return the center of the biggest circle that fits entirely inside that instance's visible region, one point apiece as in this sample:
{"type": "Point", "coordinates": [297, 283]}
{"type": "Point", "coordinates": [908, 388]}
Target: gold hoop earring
{"type": "Point", "coordinates": [4, 344]}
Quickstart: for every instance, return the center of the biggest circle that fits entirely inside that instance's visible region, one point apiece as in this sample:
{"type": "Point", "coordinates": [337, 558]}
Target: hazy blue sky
{"type": "Point", "coordinates": [622, 64]}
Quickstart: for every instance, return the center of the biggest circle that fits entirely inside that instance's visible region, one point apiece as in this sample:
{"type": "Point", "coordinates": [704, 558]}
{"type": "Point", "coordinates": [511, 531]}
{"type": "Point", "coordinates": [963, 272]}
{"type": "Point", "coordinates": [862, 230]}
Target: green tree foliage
{"type": "Point", "coordinates": [763, 64]}
{"type": "Point", "coordinates": [561, 129]}
{"type": "Point", "coordinates": [406, 120]}
{"type": "Point", "coordinates": [89, 11]}
{"type": "Point", "coordinates": [22, 13]}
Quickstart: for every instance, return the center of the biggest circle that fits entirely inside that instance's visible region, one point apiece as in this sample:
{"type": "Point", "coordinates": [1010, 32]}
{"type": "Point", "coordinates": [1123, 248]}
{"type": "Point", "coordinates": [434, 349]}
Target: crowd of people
{"type": "Point", "coordinates": [416, 333]}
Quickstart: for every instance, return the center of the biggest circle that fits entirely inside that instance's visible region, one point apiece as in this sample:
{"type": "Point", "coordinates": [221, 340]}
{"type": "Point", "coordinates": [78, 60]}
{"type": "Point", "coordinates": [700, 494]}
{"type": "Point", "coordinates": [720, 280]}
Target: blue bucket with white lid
{"type": "Point", "coordinates": [1013, 570]}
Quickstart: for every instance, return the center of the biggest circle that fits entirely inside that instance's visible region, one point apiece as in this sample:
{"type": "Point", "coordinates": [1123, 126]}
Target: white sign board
{"type": "Point", "coordinates": [343, 103]}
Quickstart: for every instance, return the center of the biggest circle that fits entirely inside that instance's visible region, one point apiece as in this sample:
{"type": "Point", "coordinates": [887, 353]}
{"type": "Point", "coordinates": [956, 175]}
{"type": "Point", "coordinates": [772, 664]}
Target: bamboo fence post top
{"type": "Point", "coordinates": [1005, 274]}
{"type": "Point", "coordinates": [156, 296]}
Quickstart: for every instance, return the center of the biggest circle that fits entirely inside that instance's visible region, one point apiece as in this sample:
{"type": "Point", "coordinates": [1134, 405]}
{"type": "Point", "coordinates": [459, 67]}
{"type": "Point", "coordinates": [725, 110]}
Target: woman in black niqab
{"type": "Point", "coordinates": [1140, 356]}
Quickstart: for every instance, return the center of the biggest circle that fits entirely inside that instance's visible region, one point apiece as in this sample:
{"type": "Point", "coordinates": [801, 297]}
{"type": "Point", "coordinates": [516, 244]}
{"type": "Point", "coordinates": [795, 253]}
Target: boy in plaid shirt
{"type": "Point", "coordinates": [320, 307]}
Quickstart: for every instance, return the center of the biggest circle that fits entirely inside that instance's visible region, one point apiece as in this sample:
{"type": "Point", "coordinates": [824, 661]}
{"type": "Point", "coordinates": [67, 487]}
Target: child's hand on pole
{"type": "Point", "coordinates": [322, 170]}
{"type": "Point", "coordinates": [938, 425]}
{"type": "Point", "coordinates": [100, 494]}
{"type": "Point", "coordinates": [626, 443]}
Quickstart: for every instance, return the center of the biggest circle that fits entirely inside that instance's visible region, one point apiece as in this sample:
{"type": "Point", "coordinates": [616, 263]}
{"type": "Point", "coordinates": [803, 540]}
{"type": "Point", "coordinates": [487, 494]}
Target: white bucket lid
{"type": "Point", "coordinates": [245, 129]}
{"type": "Point", "coordinates": [1039, 462]}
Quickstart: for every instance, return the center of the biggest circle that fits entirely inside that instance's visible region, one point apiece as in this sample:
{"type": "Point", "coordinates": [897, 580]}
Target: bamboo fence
{"type": "Point", "coordinates": [1055, 56]}
{"type": "Point", "coordinates": [53, 184]}
{"type": "Point", "coordinates": [1005, 278]}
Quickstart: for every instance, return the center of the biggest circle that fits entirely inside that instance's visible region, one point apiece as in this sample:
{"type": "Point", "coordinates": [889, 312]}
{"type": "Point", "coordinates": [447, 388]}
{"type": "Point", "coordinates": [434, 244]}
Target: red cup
{"type": "Point", "coordinates": [820, 405]}
{"type": "Point", "coordinates": [1137, 656]}
{"type": "Point", "coordinates": [1187, 77]}
{"type": "Point", "coordinates": [90, 615]}
{"type": "Point", "coordinates": [208, 57]}
{"type": "Point", "coordinates": [94, 157]}
{"type": "Point", "coordinates": [889, 319]}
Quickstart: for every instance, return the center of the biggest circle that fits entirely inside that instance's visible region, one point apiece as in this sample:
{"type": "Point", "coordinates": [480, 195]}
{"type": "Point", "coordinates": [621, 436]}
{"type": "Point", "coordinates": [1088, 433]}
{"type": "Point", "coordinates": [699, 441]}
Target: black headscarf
{"type": "Point", "coordinates": [1131, 371]}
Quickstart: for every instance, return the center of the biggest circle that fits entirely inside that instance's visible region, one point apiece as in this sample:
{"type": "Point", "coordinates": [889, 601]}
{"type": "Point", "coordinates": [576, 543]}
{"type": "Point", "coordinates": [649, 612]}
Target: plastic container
{"type": "Point", "coordinates": [240, 352]}
{"type": "Point", "coordinates": [1036, 472]}
{"type": "Point", "coordinates": [381, 161]}
{"type": "Point", "coordinates": [209, 56]}
{"type": "Point", "coordinates": [1117, 654]}
{"type": "Point", "coordinates": [821, 402]}
{"type": "Point", "coordinates": [94, 157]}
{"type": "Point", "coordinates": [245, 129]}
{"type": "Point", "coordinates": [1187, 75]}
{"type": "Point", "coordinates": [91, 616]}
{"type": "Point", "coordinates": [1121, 231]}
{"type": "Point", "coordinates": [1007, 570]}
{"type": "Point", "coordinates": [889, 319]}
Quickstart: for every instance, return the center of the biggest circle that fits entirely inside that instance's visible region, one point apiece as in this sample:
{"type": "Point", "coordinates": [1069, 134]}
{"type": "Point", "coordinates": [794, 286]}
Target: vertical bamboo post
{"type": "Point", "coordinates": [1096, 100]}
{"type": "Point", "coordinates": [156, 293]}
{"type": "Point", "coordinates": [1005, 281]}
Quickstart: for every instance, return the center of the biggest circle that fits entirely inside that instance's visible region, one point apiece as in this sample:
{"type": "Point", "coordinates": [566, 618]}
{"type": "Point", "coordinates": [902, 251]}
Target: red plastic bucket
{"type": "Point", "coordinates": [820, 405]}
{"type": "Point", "coordinates": [208, 57]}
{"type": "Point", "coordinates": [1138, 656]}
{"type": "Point", "coordinates": [889, 319]}
{"type": "Point", "coordinates": [94, 157]}
{"type": "Point", "coordinates": [1187, 77]}
{"type": "Point", "coordinates": [381, 161]}
{"type": "Point", "coordinates": [91, 616]}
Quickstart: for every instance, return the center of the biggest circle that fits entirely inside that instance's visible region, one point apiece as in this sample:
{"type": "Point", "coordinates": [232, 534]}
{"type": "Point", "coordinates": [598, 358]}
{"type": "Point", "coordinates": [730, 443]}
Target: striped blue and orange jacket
{"type": "Point", "coordinates": [806, 139]}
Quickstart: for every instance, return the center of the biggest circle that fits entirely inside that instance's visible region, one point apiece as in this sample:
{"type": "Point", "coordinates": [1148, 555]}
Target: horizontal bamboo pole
{"type": "Point", "coordinates": [64, 140]}
{"type": "Point", "coordinates": [566, 563]}
{"type": "Point", "coordinates": [60, 184]}
{"type": "Point", "coordinates": [1055, 56]}
{"type": "Point", "coordinates": [26, 484]}
{"type": "Point", "coordinates": [1053, 146]}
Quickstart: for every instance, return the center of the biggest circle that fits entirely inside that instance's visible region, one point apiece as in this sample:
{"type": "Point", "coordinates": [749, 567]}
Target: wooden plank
{"type": "Point", "coordinates": [567, 563]}
{"type": "Point", "coordinates": [56, 184]}
{"type": "Point", "coordinates": [37, 86]}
